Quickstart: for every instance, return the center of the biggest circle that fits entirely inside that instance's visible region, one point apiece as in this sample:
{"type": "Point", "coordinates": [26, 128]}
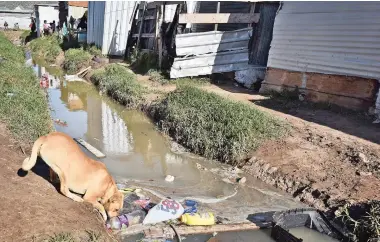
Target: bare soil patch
{"type": "Point", "coordinates": [31, 209]}
{"type": "Point", "coordinates": [327, 159]}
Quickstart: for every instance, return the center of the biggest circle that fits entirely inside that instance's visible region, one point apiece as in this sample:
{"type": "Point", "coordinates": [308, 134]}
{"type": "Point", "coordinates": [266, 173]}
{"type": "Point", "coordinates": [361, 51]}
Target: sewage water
{"type": "Point", "coordinates": [138, 154]}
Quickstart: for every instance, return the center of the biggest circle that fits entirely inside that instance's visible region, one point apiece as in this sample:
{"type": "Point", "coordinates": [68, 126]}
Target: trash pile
{"type": "Point", "coordinates": [138, 208]}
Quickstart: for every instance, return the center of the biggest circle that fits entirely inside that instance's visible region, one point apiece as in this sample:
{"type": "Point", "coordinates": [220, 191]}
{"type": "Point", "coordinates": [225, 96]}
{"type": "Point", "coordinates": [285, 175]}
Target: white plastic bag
{"type": "Point", "coordinates": [165, 210]}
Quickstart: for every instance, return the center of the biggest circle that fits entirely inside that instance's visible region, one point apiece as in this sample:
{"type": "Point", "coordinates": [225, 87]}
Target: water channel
{"type": "Point", "coordinates": [138, 154]}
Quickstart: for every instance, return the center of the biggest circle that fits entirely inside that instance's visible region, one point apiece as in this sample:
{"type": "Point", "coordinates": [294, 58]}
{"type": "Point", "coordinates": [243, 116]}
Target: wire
{"type": "Point", "coordinates": [176, 233]}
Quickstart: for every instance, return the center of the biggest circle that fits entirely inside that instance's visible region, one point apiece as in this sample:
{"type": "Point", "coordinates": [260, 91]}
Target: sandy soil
{"type": "Point", "coordinates": [328, 158]}
{"type": "Point", "coordinates": [31, 208]}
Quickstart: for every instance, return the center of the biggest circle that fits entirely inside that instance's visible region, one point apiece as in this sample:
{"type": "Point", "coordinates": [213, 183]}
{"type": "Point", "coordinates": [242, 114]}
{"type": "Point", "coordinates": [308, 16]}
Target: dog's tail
{"type": "Point", "coordinates": [29, 162]}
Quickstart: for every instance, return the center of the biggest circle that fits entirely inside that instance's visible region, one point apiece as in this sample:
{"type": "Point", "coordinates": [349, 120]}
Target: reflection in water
{"type": "Point", "coordinates": [116, 138]}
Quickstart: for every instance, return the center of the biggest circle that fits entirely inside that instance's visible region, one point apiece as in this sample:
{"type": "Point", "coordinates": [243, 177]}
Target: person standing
{"type": "Point", "coordinates": [46, 28]}
{"type": "Point", "coordinates": [5, 25]}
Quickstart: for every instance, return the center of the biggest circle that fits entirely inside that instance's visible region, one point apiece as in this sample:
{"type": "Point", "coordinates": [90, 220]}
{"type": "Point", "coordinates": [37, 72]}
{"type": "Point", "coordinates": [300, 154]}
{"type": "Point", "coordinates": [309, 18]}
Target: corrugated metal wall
{"type": "Point", "coordinates": [116, 26]}
{"type": "Point", "coordinates": [328, 37]}
{"type": "Point", "coordinates": [95, 22]}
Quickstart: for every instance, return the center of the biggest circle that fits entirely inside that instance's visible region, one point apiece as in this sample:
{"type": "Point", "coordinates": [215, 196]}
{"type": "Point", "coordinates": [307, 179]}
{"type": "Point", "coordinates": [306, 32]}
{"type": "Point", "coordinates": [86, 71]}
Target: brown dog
{"type": "Point", "coordinates": [77, 173]}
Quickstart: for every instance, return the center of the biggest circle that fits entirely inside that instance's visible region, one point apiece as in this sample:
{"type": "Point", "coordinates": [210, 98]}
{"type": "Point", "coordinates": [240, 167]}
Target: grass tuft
{"type": "Point", "coordinates": [120, 84]}
{"type": "Point", "coordinates": [23, 105]}
{"type": "Point", "coordinates": [75, 59]}
{"type": "Point", "coordinates": [212, 126]}
{"type": "Point", "coordinates": [46, 47]}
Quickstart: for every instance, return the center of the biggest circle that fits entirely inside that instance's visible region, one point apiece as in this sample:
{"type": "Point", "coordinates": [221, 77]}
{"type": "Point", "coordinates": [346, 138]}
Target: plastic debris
{"type": "Point", "coordinates": [198, 219]}
{"type": "Point", "coordinates": [60, 122]}
{"type": "Point", "coordinates": [242, 180]}
{"type": "Point", "coordinates": [165, 210]}
{"type": "Point", "coordinates": [169, 178]}
{"type": "Point", "coordinates": [191, 206]}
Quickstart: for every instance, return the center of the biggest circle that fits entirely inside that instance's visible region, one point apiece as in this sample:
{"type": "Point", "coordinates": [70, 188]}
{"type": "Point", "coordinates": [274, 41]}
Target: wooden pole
{"type": "Point", "coordinates": [141, 25]}
{"type": "Point", "coordinates": [252, 11]}
{"type": "Point", "coordinates": [217, 11]}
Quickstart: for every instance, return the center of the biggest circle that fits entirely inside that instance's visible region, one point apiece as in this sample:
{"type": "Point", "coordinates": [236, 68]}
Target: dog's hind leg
{"type": "Point", "coordinates": [64, 188]}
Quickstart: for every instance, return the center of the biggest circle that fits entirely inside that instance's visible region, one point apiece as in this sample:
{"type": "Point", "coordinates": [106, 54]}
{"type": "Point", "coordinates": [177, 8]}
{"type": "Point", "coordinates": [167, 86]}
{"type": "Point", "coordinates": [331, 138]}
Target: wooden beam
{"type": "Point", "coordinates": [218, 18]}
{"type": "Point", "coordinates": [141, 26]}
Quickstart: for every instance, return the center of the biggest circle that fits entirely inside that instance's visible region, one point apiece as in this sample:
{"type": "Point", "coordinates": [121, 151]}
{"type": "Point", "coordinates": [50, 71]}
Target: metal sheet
{"type": "Point", "coordinates": [210, 63]}
{"type": "Point", "coordinates": [116, 27]}
{"type": "Point", "coordinates": [95, 22]}
{"type": "Point", "coordinates": [327, 37]}
{"type": "Point", "coordinates": [108, 25]}
{"type": "Point", "coordinates": [214, 41]}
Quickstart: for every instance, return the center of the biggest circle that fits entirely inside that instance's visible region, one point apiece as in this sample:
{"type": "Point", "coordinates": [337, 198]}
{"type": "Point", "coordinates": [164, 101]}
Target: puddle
{"type": "Point", "coordinates": [138, 154]}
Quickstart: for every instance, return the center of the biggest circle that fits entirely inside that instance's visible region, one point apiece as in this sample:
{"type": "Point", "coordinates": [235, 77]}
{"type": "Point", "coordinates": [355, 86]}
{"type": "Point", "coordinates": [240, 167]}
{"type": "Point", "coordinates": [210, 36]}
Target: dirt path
{"type": "Point", "coordinates": [31, 208]}
{"type": "Point", "coordinates": [328, 157]}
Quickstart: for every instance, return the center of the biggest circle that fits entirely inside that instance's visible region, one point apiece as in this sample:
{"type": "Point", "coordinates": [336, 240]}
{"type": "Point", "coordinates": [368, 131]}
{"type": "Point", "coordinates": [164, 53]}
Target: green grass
{"type": "Point", "coordinates": [75, 59]}
{"type": "Point", "coordinates": [23, 105]}
{"type": "Point", "coordinates": [212, 126]}
{"type": "Point", "coordinates": [162, 78]}
{"type": "Point", "coordinates": [47, 47]}
{"type": "Point", "coordinates": [120, 84]}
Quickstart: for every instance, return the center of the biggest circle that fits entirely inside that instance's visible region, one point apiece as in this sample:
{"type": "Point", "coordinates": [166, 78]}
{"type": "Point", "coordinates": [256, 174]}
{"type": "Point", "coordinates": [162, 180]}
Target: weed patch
{"type": "Point", "coordinates": [23, 105]}
{"type": "Point", "coordinates": [75, 59]}
{"type": "Point", "coordinates": [47, 47]}
{"type": "Point", "coordinates": [143, 62]}
{"type": "Point", "coordinates": [120, 84]}
{"type": "Point", "coordinates": [212, 126]}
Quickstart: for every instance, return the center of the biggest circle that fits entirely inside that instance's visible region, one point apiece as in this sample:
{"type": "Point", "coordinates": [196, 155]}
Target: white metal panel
{"type": "Point", "coordinates": [48, 13]}
{"type": "Point", "coordinates": [116, 27]}
{"type": "Point", "coordinates": [76, 12]}
{"type": "Point", "coordinates": [210, 63]}
{"type": "Point", "coordinates": [213, 41]}
{"type": "Point", "coordinates": [327, 37]}
{"type": "Point", "coordinates": [95, 22]}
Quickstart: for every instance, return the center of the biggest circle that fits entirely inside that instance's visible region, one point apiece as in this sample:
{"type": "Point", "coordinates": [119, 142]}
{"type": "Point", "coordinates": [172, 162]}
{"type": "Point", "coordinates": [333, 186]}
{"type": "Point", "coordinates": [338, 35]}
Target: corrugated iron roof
{"type": "Point", "coordinates": [327, 37]}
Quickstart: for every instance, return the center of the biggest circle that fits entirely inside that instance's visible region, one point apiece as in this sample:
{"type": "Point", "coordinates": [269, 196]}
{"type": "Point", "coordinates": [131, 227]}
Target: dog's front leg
{"type": "Point", "coordinates": [88, 197]}
{"type": "Point", "coordinates": [100, 208]}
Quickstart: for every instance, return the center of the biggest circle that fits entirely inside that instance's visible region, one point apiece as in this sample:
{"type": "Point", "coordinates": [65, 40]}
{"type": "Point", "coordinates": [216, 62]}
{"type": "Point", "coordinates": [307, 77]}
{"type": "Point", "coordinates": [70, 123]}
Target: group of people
{"type": "Point", "coordinates": [49, 28]}
{"type": "Point", "coordinates": [16, 26]}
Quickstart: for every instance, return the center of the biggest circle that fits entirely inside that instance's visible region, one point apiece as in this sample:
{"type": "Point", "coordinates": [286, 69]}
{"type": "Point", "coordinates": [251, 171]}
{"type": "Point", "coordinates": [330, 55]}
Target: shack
{"type": "Point", "coordinates": [108, 24]}
{"type": "Point", "coordinates": [329, 51]}
{"type": "Point", "coordinates": [45, 11]}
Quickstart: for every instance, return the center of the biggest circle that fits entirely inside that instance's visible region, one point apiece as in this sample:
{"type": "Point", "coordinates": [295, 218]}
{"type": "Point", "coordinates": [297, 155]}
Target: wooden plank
{"type": "Point", "coordinates": [144, 35]}
{"type": "Point", "coordinates": [218, 18]}
{"type": "Point", "coordinates": [160, 232]}
{"type": "Point", "coordinates": [252, 11]}
{"type": "Point", "coordinates": [141, 26]}
{"type": "Point", "coordinates": [90, 148]}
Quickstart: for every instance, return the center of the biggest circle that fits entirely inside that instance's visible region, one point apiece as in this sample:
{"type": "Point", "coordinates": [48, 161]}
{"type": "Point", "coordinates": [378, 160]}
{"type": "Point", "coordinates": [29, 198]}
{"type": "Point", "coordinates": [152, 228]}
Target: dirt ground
{"type": "Point", "coordinates": [31, 209]}
{"type": "Point", "coordinates": [329, 157]}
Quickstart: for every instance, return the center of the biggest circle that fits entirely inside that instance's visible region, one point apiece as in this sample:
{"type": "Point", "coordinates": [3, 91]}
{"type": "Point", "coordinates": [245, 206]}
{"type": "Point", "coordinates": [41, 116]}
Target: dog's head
{"type": "Point", "coordinates": [114, 204]}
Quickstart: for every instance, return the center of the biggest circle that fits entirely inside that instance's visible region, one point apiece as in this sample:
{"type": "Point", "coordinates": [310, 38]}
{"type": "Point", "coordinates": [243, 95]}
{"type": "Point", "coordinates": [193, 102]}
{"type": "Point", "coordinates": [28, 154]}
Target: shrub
{"type": "Point", "coordinates": [75, 59]}
{"type": "Point", "coordinates": [46, 47]}
{"type": "Point", "coordinates": [120, 84]}
{"type": "Point", "coordinates": [212, 126]}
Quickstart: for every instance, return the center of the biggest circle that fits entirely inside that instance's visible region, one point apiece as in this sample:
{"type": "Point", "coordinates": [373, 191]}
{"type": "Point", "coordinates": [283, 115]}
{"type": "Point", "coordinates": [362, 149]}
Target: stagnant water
{"type": "Point", "coordinates": [138, 154]}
